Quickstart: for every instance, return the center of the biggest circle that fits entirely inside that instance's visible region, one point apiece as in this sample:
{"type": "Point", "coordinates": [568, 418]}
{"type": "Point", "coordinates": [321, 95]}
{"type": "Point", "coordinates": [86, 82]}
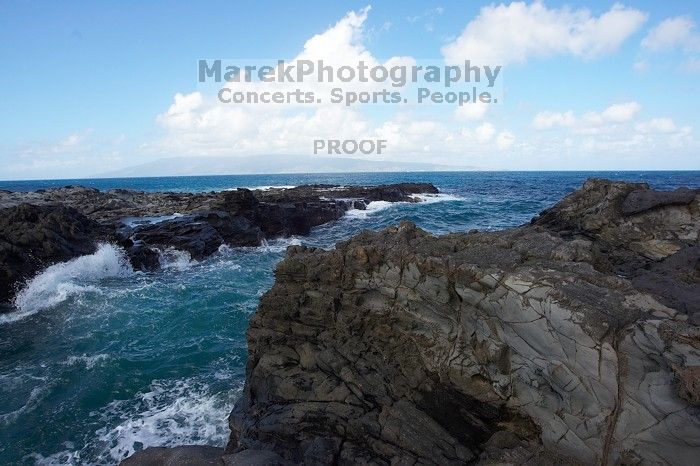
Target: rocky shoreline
{"type": "Point", "coordinates": [571, 340]}
{"type": "Point", "coordinates": [40, 228]}
{"type": "Point", "coordinates": [574, 339]}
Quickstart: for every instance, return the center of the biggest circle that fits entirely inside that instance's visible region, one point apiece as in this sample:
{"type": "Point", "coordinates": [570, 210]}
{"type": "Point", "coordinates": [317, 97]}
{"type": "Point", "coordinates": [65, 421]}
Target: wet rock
{"type": "Point", "coordinates": [190, 455]}
{"type": "Point", "coordinates": [536, 345]}
{"type": "Point", "coordinates": [199, 234]}
{"type": "Point", "coordinates": [141, 256]}
{"type": "Point", "coordinates": [34, 237]}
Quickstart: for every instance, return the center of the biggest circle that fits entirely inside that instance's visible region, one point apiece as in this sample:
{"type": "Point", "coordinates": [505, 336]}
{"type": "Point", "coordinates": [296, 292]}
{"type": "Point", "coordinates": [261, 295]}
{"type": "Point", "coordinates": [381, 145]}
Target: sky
{"type": "Point", "coordinates": [88, 88]}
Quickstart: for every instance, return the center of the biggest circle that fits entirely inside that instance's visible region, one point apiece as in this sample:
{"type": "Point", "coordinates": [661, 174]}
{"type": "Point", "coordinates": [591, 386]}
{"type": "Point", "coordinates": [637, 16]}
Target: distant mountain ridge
{"type": "Point", "coordinates": [271, 164]}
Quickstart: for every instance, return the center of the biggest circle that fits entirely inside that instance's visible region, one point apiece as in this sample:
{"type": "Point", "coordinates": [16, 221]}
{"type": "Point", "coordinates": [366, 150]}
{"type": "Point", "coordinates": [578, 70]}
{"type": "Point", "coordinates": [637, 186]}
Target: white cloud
{"type": "Point", "coordinates": [197, 123]}
{"type": "Point", "coordinates": [513, 33]}
{"type": "Point", "coordinates": [200, 124]}
{"type": "Point", "coordinates": [471, 111]}
{"type": "Point", "coordinates": [678, 32]}
{"type": "Point", "coordinates": [617, 113]}
{"type": "Point", "coordinates": [657, 125]}
{"type": "Point", "coordinates": [73, 143]}
{"type": "Point", "coordinates": [504, 140]}
{"type": "Point", "coordinates": [484, 132]}
{"type": "Point", "coordinates": [546, 120]}
{"type": "Point", "coordinates": [611, 132]}
{"type": "Point", "coordinates": [72, 140]}
{"type": "Point", "coordinates": [620, 112]}
{"type": "Point", "coordinates": [427, 17]}
{"type": "Point", "coordinates": [182, 112]}
{"type": "Point", "coordinates": [77, 154]}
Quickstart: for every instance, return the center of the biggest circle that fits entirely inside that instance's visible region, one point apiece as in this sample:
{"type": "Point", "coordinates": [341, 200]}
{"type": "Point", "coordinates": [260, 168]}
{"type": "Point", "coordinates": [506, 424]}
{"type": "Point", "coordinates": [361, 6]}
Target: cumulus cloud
{"type": "Point", "coordinates": [657, 125]}
{"type": "Point", "coordinates": [617, 113]}
{"type": "Point", "coordinates": [471, 111]}
{"type": "Point", "coordinates": [546, 120]}
{"type": "Point", "coordinates": [197, 123]}
{"type": "Point", "coordinates": [484, 132]}
{"type": "Point", "coordinates": [613, 131]}
{"type": "Point", "coordinates": [504, 140]}
{"type": "Point", "coordinates": [516, 32]}
{"type": "Point", "coordinates": [673, 33]}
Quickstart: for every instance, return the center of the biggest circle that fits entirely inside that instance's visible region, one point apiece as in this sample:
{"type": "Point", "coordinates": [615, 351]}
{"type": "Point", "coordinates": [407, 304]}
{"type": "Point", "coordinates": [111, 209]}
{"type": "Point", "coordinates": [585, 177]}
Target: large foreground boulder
{"type": "Point", "coordinates": [569, 340]}
{"type": "Point", "coordinates": [33, 237]}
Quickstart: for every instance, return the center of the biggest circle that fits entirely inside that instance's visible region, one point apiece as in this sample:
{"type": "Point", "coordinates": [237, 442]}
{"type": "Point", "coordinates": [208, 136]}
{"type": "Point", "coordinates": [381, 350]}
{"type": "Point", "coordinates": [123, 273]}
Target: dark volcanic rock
{"type": "Point", "coordinates": [254, 458]}
{"type": "Point", "coordinates": [543, 344]}
{"type": "Point", "coordinates": [141, 256]}
{"type": "Point", "coordinates": [657, 248]}
{"type": "Point", "coordinates": [34, 237]}
{"type": "Point", "coordinates": [190, 455]}
{"type": "Point", "coordinates": [47, 226]}
{"type": "Point", "coordinates": [199, 234]}
{"type": "Point", "coordinates": [645, 199]}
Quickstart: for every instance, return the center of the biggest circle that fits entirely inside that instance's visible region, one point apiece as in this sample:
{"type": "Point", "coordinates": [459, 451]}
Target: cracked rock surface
{"type": "Point", "coordinates": [570, 340]}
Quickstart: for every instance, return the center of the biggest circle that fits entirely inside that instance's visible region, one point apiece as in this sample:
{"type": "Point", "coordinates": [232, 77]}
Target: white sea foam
{"type": "Point", "coordinates": [171, 413]}
{"type": "Point", "coordinates": [177, 412]}
{"type": "Point", "coordinates": [433, 198]}
{"type": "Point", "coordinates": [175, 259]}
{"type": "Point", "coordinates": [263, 188]}
{"type": "Point", "coordinates": [134, 221]}
{"type": "Point", "coordinates": [279, 244]}
{"type": "Point", "coordinates": [88, 361]}
{"type": "Point", "coordinates": [66, 457]}
{"type": "Point", "coordinates": [372, 208]}
{"type": "Point", "coordinates": [61, 281]}
{"type": "Point", "coordinates": [377, 206]}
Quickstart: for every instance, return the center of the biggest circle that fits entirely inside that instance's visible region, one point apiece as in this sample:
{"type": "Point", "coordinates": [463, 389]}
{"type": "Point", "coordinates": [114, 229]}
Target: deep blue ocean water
{"type": "Point", "coordinates": [98, 361]}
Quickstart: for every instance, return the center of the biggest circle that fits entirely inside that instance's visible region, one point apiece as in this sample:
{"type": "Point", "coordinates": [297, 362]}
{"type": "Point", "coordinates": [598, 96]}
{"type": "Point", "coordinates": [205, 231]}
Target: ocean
{"type": "Point", "coordinates": [98, 361]}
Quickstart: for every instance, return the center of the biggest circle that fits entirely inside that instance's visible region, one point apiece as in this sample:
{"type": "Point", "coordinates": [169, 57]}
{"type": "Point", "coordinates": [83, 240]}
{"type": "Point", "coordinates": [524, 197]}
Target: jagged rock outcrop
{"type": "Point", "coordinates": [42, 227]}
{"type": "Point", "coordinates": [34, 237]}
{"type": "Point", "coordinates": [571, 340]}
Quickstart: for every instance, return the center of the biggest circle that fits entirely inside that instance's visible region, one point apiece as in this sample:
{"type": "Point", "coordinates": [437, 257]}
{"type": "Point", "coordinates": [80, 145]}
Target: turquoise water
{"type": "Point", "coordinates": [99, 361]}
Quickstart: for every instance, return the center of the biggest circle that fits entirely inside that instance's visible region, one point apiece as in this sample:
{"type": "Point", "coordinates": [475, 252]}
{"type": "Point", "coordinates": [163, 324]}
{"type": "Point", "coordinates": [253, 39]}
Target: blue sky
{"type": "Point", "coordinates": [90, 87]}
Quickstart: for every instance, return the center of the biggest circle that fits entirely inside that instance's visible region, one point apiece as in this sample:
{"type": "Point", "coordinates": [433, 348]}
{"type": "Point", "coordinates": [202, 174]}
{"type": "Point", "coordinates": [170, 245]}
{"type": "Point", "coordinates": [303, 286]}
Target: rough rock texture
{"type": "Point", "coordinates": [42, 227]}
{"type": "Point", "coordinates": [190, 455]}
{"type": "Point", "coordinates": [569, 340]}
{"type": "Point", "coordinates": [33, 237]}
{"type": "Point", "coordinates": [196, 455]}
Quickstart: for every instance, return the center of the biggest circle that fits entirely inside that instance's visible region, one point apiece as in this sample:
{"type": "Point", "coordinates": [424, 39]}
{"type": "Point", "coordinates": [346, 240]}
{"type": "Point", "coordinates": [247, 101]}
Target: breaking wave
{"type": "Point", "coordinates": [175, 259]}
{"type": "Point", "coordinates": [377, 206]}
{"type": "Point", "coordinates": [171, 413]}
{"type": "Point", "coordinates": [433, 198]}
{"type": "Point", "coordinates": [61, 281]}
